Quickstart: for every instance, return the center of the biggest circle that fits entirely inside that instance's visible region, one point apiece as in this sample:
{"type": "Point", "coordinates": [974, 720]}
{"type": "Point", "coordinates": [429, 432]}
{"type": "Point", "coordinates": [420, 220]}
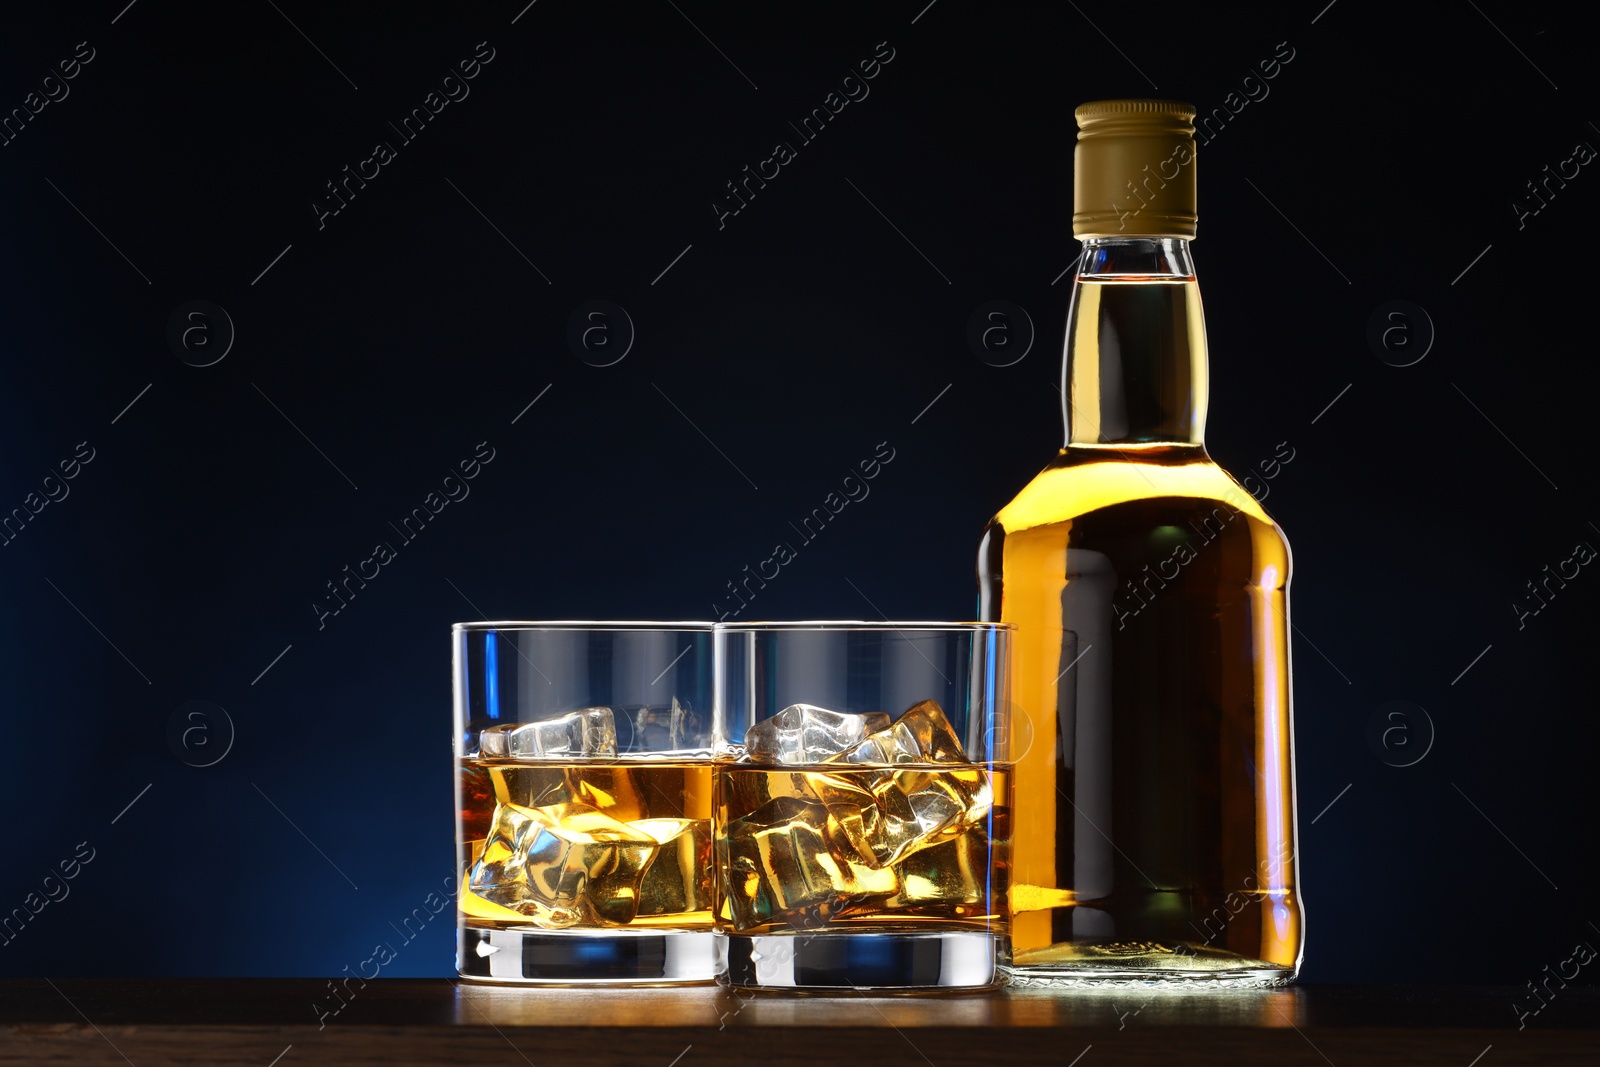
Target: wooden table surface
{"type": "Point", "coordinates": [298, 1021]}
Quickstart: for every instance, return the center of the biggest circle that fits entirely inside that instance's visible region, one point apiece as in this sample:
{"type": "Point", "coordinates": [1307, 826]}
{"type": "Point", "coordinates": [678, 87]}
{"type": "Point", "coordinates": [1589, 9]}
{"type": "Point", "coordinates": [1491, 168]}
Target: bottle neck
{"type": "Point", "coordinates": [1135, 367]}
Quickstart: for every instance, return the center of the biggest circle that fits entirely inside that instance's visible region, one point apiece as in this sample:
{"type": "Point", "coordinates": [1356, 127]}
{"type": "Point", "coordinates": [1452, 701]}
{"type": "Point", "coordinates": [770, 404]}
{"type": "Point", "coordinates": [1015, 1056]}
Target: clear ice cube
{"type": "Point", "coordinates": [878, 828]}
{"type": "Point", "coordinates": [565, 864]}
{"type": "Point", "coordinates": [803, 733]}
{"type": "Point", "coordinates": [678, 880]}
{"type": "Point", "coordinates": [921, 735]}
{"type": "Point", "coordinates": [953, 875]}
{"type": "Point", "coordinates": [589, 732]}
{"type": "Point", "coordinates": [782, 867]}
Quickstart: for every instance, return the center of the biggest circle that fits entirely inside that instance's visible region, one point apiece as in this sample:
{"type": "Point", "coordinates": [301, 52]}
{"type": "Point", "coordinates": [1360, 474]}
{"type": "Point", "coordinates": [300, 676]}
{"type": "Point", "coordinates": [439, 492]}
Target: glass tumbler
{"type": "Point", "coordinates": [583, 800]}
{"type": "Point", "coordinates": [863, 804]}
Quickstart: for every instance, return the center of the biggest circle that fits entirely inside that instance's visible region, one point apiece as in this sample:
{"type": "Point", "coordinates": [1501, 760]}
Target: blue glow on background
{"type": "Point", "coordinates": [491, 670]}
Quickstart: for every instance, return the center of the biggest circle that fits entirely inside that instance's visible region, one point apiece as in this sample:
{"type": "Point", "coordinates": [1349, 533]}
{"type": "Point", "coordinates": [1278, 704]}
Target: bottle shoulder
{"type": "Point", "coordinates": [1082, 481]}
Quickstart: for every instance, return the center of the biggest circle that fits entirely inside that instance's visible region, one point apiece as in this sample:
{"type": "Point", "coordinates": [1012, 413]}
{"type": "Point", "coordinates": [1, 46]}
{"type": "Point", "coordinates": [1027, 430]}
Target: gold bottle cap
{"type": "Point", "coordinates": [1133, 173]}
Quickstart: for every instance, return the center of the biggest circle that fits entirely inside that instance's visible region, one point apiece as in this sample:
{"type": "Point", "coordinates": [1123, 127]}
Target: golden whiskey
{"type": "Point", "coordinates": [880, 847]}
{"type": "Point", "coordinates": [1152, 724]}
{"type": "Point", "coordinates": [572, 846]}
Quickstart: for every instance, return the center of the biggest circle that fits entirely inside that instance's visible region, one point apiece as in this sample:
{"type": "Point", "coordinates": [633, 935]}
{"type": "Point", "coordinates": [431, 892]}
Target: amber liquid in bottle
{"type": "Point", "coordinates": [1155, 832]}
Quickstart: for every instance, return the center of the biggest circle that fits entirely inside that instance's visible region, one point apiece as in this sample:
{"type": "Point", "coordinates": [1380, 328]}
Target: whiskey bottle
{"type": "Point", "coordinates": [1155, 829]}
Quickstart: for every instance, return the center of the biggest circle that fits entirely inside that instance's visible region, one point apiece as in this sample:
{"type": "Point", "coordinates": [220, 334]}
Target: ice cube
{"type": "Point", "coordinates": [589, 732]}
{"type": "Point", "coordinates": [891, 818]}
{"type": "Point", "coordinates": [678, 880]}
{"type": "Point", "coordinates": [942, 803]}
{"type": "Point", "coordinates": [954, 875]}
{"type": "Point", "coordinates": [563, 864]}
{"type": "Point", "coordinates": [802, 733]}
{"type": "Point", "coordinates": [782, 868]}
{"type": "Point", "coordinates": [921, 735]}
{"type": "Point", "coordinates": [899, 812]}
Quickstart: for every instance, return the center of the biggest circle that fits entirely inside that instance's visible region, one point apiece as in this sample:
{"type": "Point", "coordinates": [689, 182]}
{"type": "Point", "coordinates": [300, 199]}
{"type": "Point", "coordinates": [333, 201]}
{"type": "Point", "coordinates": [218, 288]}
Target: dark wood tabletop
{"type": "Point", "coordinates": [289, 1022]}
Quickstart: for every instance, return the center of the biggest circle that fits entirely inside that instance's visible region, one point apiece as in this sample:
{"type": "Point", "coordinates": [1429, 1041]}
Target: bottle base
{"type": "Point", "coordinates": [1168, 963]}
{"type": "Point", "coordinates": [588, 957]}
{"type": "Point", "coordinates": [866, 960]}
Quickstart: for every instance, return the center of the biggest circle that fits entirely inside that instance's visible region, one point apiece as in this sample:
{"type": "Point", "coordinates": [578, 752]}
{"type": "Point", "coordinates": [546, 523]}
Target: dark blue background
{"type": "Point", "coordinates": [191, 549]}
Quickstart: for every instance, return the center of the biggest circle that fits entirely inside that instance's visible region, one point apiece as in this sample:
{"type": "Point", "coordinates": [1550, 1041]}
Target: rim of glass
{"type": "Point", "coordinates": [579, 624]}
{"type": "Point", "coordinates": [865, 624]}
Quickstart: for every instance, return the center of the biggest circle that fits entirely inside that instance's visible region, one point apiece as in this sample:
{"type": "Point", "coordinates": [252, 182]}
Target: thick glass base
{"type": "Point", "coordinates": [588, 957]}
{"type": "Point", "coordinates": [859, 959]}
{"type": "Point", "coordinates": [1093, 962]}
